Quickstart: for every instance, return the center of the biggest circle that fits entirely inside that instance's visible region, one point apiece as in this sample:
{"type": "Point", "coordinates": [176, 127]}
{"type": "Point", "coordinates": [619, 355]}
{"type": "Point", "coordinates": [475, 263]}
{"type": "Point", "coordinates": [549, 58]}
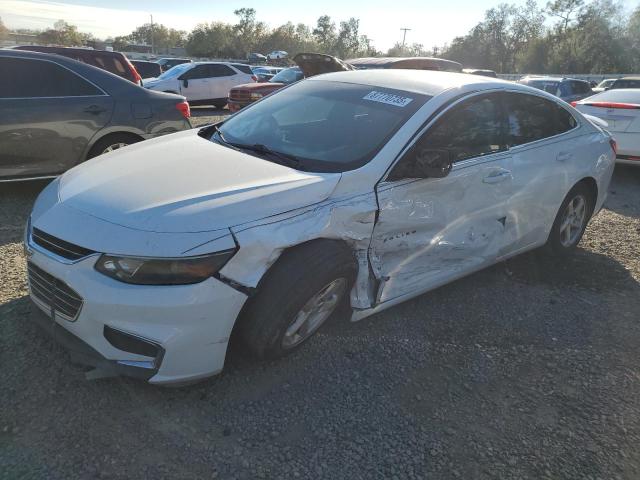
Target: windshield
{"type": "Point", "coordinates": [546, 85]}
{"type": "Point", "coordinates": [176, 71]}
{"type": "Point", "coordinates": [288, 75]}
{"type": "Point", "coordinates": [326, 126]}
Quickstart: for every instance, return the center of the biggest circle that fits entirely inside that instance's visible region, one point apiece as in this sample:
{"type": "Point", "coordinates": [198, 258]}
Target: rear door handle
{"type": "Point", "coordinates": [95, 109]}
{"type": "Point", "coordinates": [497, 176]}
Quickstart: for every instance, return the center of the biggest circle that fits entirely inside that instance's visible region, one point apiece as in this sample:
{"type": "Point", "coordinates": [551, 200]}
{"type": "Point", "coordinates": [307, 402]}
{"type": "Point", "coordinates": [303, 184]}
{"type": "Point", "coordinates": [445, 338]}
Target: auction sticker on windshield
{"type": "Point", "coordinates": [387, 98]}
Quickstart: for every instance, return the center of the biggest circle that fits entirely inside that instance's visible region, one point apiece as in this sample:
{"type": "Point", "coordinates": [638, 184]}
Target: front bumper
{"type": "Point", "coordinates": [189, 324]}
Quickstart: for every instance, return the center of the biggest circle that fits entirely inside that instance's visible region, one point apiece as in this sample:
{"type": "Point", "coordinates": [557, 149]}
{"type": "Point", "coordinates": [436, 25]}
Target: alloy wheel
{"type": "Point", "coordinates": [314, 313]}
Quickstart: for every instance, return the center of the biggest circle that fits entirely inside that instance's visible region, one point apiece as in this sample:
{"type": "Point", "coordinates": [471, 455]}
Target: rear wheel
{"type": "Point", "coordinates": [220, 104]}
{"type": "Point", "coordinates": [296, 297]}
{"type": "Point", "coordinates": [571, 221]}
{"type": "Point", "coordinates": [111, 143]}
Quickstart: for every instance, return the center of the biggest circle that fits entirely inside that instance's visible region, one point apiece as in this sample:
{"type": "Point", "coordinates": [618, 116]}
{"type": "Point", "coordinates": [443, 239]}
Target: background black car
{"type": "Point", "coordinates": [147, 69]}
{"type": "Point", "coordinates": [56, 112]}
{"type": "Point", "coordinates": [167, 63]}
{"type": "Point", "coordinates": [114, 62]}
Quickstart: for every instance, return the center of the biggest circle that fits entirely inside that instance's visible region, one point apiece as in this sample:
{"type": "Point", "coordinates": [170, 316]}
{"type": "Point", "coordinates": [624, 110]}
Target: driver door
{"type": "Point", "coordinates": [195, 83]}
{"type": "Point", "coordinates": [433, 230]}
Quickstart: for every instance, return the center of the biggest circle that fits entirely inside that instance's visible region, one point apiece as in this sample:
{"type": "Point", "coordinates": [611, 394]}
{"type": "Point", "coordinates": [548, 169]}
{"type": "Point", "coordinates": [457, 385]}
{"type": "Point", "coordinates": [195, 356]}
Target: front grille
{"type": "Point", "coordinates": [53, 294]}
{"type": "Point", "coordinates": [59, 247]}
{"type": "Point", "coordinates": [239, 95]}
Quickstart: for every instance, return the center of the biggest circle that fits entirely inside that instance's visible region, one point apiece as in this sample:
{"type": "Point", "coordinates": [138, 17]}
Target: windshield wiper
{"type": "Point", "coordinates": [287, 159]}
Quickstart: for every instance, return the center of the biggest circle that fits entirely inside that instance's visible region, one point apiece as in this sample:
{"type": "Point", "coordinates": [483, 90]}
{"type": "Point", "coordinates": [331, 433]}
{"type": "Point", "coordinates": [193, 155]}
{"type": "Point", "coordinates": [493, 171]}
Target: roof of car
{"type": "Point", "coordinates": [73, 49]}
{"type": "Point", "coordinates": [427, 82]}
{"type": "Point", "coordinates": [629, 78]}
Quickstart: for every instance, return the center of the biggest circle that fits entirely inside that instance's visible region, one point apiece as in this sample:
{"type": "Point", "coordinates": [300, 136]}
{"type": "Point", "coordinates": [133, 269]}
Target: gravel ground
{"type": "Point", "coordinates": [526, 370]}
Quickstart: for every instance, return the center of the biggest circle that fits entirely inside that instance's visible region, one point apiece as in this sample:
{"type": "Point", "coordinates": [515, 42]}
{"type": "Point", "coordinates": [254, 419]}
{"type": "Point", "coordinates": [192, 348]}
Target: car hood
{"type": "Point", "coordinates": [313, 64]}
{"type": "Point", "coordinates": [185, 183]}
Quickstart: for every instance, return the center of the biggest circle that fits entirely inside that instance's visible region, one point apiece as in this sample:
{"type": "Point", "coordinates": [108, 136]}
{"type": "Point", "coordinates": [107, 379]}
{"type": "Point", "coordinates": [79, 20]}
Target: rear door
{"type": "Point", "coordinates": [49, 115]}
{"type": "Point", "coordinates": [542, 151]}
{"type": "Point", "coordinates": [224, 78]}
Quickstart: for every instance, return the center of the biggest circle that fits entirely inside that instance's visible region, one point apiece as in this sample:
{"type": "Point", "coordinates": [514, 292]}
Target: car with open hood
{"type": "Point", "coordinates": [347, 192]}
{"type": "Point", "coordinates": [309, 64]}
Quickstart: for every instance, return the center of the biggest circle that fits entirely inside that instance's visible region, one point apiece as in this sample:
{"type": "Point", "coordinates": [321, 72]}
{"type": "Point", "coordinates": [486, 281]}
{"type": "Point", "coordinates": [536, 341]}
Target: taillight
{"type": "Point", "coordinates": [624, 106]}
{"type": "Point", "coordinates": [254, 78]}
{"type": "Point", "coordinates": [614, 146]}
{"type": "Point", "coordinates": [184, 109]}
{"type": "Point", "coordinates": [574, 104]}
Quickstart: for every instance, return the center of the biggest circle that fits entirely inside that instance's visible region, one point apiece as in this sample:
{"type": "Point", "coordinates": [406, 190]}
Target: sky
{"type": "Point", "coordinates": [432, 23]}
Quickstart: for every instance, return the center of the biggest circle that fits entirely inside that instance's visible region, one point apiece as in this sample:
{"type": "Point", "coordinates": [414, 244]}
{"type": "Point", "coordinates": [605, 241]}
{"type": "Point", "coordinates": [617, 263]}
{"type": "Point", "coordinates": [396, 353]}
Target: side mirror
{"type": "Point", "coordinates": [185, 83]}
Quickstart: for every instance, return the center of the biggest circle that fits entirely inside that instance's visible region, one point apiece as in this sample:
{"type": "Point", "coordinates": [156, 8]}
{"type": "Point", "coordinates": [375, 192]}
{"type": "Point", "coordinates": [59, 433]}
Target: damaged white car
{"type": "Point", "coordinates": [366, 187]}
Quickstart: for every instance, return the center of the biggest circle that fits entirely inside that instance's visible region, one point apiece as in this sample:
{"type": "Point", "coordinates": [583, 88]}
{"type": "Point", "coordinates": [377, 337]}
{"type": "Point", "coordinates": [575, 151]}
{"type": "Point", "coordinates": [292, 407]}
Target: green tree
{"type": "Point", "coordinates": [63, 34]}
{"type": "Point", "coordinates": [325, 32]}
{"type": "Point", "coordinates": [161, 37]}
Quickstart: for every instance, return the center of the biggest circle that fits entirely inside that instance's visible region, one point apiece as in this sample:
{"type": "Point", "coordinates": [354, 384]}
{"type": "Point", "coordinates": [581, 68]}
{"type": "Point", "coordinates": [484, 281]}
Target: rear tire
{"type": "Point", "coordinates": [220, 104]}
{"type": "Point", "coordinates": [296, 297]}
{"type": "Point", "coordinates": [571, 221]}
{"type": "Point", "coordinates": [112, 142]}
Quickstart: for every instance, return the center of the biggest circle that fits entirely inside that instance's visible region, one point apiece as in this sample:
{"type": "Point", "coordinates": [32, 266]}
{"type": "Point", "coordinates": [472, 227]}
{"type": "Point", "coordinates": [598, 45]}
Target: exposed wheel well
{"type": "Point", "coordinates": [592, 186]}
{"type": "Point", "coordinates": [295, 253]}
{"type": "Point", "coordinates": [102, 140]}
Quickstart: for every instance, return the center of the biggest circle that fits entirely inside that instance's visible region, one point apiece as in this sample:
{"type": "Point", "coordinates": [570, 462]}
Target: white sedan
{"type": "Point", "coordinates": [620, 109]}
{"type": "Point", "coordinates": [362, 188]}
{"type": "Point", "coordinates": [202, 83]}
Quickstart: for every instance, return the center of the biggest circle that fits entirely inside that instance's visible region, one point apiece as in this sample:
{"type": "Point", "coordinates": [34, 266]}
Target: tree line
{"type": "Point", "coordinates": [566, 36]}
{"type": "Point", "coordinates": [563, 36]}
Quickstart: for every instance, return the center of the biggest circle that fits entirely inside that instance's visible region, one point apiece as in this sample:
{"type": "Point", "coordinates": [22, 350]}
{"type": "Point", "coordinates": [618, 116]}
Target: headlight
{"type": "Point", "coordinates": [256, 96]}
{"type": "Point", "coordinates": [162, 271]}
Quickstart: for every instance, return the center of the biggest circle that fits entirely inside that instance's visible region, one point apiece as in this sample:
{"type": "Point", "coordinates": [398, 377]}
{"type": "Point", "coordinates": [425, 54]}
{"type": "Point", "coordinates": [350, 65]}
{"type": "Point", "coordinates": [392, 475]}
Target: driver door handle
{"type": "Point", "coordinates": [497, 176]}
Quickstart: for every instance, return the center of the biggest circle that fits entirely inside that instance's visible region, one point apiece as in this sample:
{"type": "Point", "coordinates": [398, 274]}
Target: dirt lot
{"type": "Point", "coordinates": [529, 369]}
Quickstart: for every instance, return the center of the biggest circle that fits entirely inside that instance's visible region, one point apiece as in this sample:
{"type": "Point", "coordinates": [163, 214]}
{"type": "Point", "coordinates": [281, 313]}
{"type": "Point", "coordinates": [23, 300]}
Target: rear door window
{"type": "Point", "coordinates": [219, 70]}
{"type": "Point", "coordinates": [531, 118]}
{"type": "Point", "coordinates": [26, 78]}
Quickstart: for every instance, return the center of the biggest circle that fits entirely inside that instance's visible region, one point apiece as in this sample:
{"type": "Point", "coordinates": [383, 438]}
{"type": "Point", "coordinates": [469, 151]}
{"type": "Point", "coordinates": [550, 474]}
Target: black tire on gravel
{"type": "Point", "coordinates": [296, 277]}
{"type": "Point", "coordinates": [554, 245]}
